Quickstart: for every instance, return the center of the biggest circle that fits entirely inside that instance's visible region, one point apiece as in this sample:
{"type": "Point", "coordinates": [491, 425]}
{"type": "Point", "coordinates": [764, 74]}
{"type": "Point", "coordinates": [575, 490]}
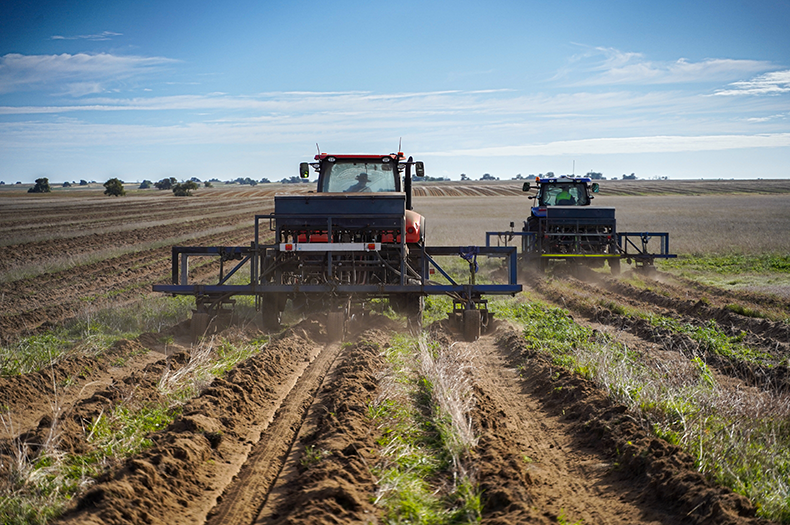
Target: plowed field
{"type": "Point", "coordinates": [289, 434]}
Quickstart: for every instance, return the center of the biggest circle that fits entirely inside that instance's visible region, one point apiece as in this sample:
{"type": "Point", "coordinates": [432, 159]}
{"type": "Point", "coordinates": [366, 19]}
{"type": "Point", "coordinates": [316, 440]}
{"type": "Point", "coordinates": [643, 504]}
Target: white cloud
{"type": "Point", "coordinates": [608, 66]}
{"type": "Point", "coordinates": [104, 35]}
{"type": "Point", "coordinates": [628, 145]}
{"type": "Point", "coordinates": [774, 83]}
{"type": "Point", "coordinates": [29, 72]}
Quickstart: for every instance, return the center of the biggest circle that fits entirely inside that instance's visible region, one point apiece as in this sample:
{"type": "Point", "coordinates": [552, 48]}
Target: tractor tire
{"type": "Point", "coordinates": [198, 325]}
{"type": "Point", "coordinates": [614, 266]}
{"type": "Point", "coordinates": [335, 324]}
{"type": "Point", "coordinates": [471, 325]}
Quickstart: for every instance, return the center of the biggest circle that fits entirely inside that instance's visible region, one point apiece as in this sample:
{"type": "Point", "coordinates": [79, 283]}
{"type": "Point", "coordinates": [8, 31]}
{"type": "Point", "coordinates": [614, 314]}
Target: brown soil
{"type": "Point", "coordinates": [285, 438]}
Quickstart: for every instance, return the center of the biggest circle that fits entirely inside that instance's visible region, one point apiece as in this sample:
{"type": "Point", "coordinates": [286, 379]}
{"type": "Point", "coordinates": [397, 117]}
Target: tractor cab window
{"type": "Point", "coordinates": [362, 177]}
{"type": "Point", "coordinates": [565, 194]}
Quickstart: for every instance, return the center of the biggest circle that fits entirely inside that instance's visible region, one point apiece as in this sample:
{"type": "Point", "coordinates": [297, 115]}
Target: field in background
{"type": "Point", "coordinates": [749, 224]}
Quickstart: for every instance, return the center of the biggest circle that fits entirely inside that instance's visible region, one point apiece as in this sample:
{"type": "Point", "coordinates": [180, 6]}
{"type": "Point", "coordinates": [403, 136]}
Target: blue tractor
{"type": "Point", "coordinates": [563, 225]}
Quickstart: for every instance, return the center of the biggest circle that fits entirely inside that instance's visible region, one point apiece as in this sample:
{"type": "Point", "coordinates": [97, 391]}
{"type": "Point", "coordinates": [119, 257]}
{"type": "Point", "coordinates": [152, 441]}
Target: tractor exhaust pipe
{"type": "Point", "coordinates": [407, 183]}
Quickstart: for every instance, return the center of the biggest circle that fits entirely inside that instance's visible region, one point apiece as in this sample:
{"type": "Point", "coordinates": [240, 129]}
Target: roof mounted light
{"type": "Point", "coordinates": [385, 159]}
{"type": "Point", "coordinates": [331, 159]}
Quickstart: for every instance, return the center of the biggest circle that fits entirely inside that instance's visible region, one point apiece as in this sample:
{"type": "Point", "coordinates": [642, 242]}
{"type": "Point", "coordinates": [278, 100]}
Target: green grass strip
{"type": "Point", "coordinates": [413, 474]}
{"type": "Point", "coordinates": [731, 264]}
{"type": "Point", "coordinates": [711, 339]}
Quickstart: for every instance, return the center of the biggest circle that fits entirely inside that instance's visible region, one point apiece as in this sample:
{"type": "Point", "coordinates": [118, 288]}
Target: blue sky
{"type": "Point", "coordinates": [146, 90]}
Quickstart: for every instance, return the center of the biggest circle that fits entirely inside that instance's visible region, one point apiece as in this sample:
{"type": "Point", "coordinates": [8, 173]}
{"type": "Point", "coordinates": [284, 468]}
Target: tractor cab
{"type": "Point", "coordinates": [561, 191]}
{"type": "Point", "coordinates": [360, 173]}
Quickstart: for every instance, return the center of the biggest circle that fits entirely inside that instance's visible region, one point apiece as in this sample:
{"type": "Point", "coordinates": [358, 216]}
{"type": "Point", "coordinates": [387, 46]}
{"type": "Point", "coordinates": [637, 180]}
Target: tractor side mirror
{"type": "Point", "coordinates": [304, 170]}
{"type": "Point", "coordinates": [419, 169]}
{"type": "Point", "coordinates": [595, 187]}
{"type": "Point", "coordinates": [526, 186]}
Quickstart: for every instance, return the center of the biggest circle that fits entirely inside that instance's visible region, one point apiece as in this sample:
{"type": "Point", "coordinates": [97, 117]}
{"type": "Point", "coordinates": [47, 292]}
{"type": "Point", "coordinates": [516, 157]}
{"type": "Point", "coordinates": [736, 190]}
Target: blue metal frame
{"type": "Point", "coordinates": [624, 244]}
{"type": "Point", "coordinates": [251, 254]}
{"type": "Point", "coordinates": [641, 252]}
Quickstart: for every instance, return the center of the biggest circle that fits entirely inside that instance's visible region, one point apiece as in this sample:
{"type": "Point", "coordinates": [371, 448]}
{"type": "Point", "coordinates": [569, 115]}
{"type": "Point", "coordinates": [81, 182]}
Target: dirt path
{"type": "Point", "coordinates": [565, 474]}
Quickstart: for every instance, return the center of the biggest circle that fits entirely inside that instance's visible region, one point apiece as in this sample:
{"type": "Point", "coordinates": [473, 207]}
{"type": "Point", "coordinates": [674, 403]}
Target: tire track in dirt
{"type": "Point", "coordinates": [179, 479]}
{"type": "Point", "coordinates": [242, 499]}
{"type": "Point", "coordinates": [562, 476]}
{"type": "Point", "coordinates": [336, 485]}
{"type": "Point", "coordinates": [590, 459]}
{"type": "Point", "coordinates": [327, 477]}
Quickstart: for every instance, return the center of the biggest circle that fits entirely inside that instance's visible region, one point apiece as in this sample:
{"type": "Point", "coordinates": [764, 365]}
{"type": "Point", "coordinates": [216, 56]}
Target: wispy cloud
{"type": "Point", "coordinates": [608, 66]}
{"type": "Point", "coordinates": [70, 74]}
{"type": "Point", "coordinates": [774, 83]}
{"type": "Point", "coordinates": [485, 102]}
{"type": "Point", "coordinates": [104, 35]}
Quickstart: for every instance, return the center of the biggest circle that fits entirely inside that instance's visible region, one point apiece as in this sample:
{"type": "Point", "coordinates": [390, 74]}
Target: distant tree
{"type": "Point", "coordinates": [464, 177]}
{"type": "Point", "coordinates": [166, 184]}
{"type": "Point", "coordinates": [195, 179]}
{"type": "Point", "coordinates": [595, 175]}
{"type": "Point", "coordinates": [428, 178]}
{"type": "Point", "coordinates": [629, 177]}
{"type": "Point", "coordinates": [265, 181]}
{"type": "Point", "coordinates": [247, 180]}
{"type": "Point", "coordinates": [292, 180]}
{"type": "Point", "coordinates": [2, 183]}
{"type": "Point", "coordinates": [42, 186]}
{"type": "Point", "coordinates": [67, 184]}
{"type": "Point", "coordinates": [83, 182]}
{"type": "Point", "coordinates": [208, 184]}
{"type": "Point", "coordinates": [184, 189]}
{"type": "Point", "coordinates": [518, 177]}
{"type": "Point", "coordinates": [114, 187]}
{"type": "Point", "coordinates": [18, 182]}
{"type": "Point", "coordinates": [146, 184]}
{"type": "Point", "coordinates": [488, 176]}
